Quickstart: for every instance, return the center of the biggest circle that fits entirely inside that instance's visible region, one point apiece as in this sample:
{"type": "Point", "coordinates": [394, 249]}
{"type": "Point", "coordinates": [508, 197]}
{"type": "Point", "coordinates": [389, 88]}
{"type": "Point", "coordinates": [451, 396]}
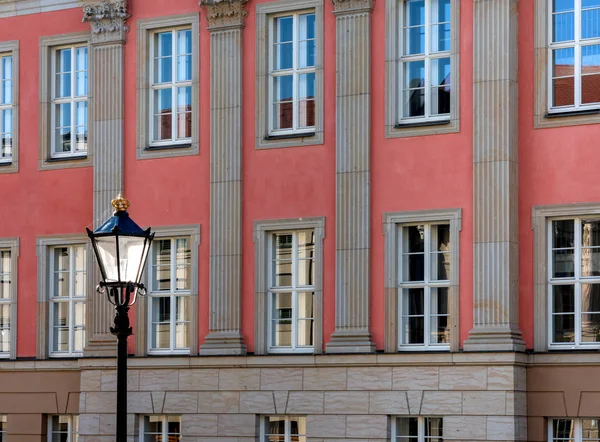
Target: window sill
{"type": "Point", "coordinates": [63, 159]}
{"type": "Point", "coordinates": [289, 136]}
{"type": "Point", "coordinates": [167, 147]}
{"type": "Point", "coordinates": [422, 124]}
{"type": "Point", "coordinates": [572, 113]}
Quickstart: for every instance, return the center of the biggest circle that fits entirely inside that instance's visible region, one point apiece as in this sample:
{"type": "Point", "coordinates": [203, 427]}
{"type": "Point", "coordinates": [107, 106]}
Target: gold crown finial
{"type": "Point", "coordinates": [120, 204]}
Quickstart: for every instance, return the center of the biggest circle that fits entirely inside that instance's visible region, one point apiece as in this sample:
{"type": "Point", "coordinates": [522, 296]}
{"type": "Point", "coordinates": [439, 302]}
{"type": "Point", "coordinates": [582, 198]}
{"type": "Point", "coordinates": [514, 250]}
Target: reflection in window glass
{"type": "Point", "coordinates": [6, 107]}
{"type": "Point", "coordinates": [283, 429]}
{"type": "Point", "coordinates": [63, 428]}
{"type": "Point", "coordinates": [5, 302]}
{"type": "Point", "coordinates": [417, 429]}
{"type": "Point", "coordinates": [161, 428]}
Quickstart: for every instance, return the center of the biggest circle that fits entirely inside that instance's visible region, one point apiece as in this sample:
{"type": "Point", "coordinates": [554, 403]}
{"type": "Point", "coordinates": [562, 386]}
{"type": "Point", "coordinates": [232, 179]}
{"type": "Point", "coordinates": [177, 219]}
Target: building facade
{"type": "Point", "coordinates": [373, 218]}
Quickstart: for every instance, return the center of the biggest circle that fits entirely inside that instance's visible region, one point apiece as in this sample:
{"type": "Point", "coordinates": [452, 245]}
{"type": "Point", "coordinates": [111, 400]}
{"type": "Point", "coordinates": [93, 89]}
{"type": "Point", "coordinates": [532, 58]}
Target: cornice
{"type": "Point", "coordinates": [224, 13]}
{"type": "Point", "coordinates": [352, 6]}
{"type": "Point", "coordinates": [107, 20]}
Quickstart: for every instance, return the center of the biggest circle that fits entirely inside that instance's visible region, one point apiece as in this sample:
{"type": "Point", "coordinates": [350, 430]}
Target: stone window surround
{"type": "Point", "coordinates": [263, 13]}
{"type": "Point", "coordinates": [47, 44]}
{"type": "Point", "coordinates": [262, 230]}
{"type": "Point", "coordinates": [391, 222]}
{"type": "Point", "coordinates": [540, 216]}
{"type": "Point", "coordinates": [141, 323]}
{"type": "Point", "coordinates": [43, 246]}
{"type": "Point", "coordinates": [12, 244]}
{"type": "Point", "coordinates": [145, 29]}
{"type": "Point", "coordinates": [392, 127]}
{"type": "Point", "coordinates": [421, 426]}
{"type": "Point", "coordinates": [12, 47]}
{"type": "Point", "coordinates": [541, 67]}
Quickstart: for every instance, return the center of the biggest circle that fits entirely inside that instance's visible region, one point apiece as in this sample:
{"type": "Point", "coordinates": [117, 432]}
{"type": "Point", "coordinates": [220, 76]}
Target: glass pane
{"type": "Point", "coordinates": [563, 62]}
{"type": "Point", "coordinates": [414, 103]}
{"type": "Point", "coordinates": [306, 113]}
{"type": "Point", "coordinates": [153, 425]}
{"type": "Point", "coordinates": [63, 115]}
{"type": "Point", "coordinates": [306, 44]}
{"type": "Point", "coordinates": [78, 339]}
{"type": "Point", "coordinates": [6, 68]}
{"type": "Point", "coordinates": [414, 21]}
{"type": "Point", "coordinates": [282, 333]}
{"type": "Point", "coordinates": [563, 27]}
{"type": "Point", "coordinates": [283, 264]}
{"type": "Point", "coordinates": [414, 239]}
{"type": "Point", "coordinates": [563, 298]}
{"type": "Point", "coordinates": [590, 22]}
{"type": "Point", "coordinates": [275, 426]}
{"type": "Point", "coordinates": [414, 74]}
{"type": "Point", "coordinates": [306, 86]}
{"type": "Point", "coordinates": [283, 117]}
{"type": "Point", "coordinates": [306, 244]}
{"type": "Point", "coordinates": [184, 42]}
{"type": "Point", "coordinates": [440, 332]}
{"type": "Point", "coordinates": [306, 272]}
{"type": "Point", "coordinates": [184, 51]}
{"type": "Point", "coordinates": [161, 328]}
{"type": "Point", "coordinates": [590, 92]}
{"type": "Point", "coordinates": [182, 335]}
{"type": "Point", "coordinates": [297, 426]}
{"type": "Point", "coordinates": [79, 309]}
{"type": "Point", "coordinates": [183, 252]}
{"type": "Point", "coordinates": [433, 428]}
{"type": "Point", "coordinates": [282, 306]}
{"type": "Point", "coordinates": [305, 305]}
{"type": "Point", "coordinates": [306, 331]}
{"type": "Point", "coordinates": [163, 119]}
{"type": "Point", "coordinates": [184, 115]}
{"type": "Point", "coordinates": [414, 40]}
{"type": "Point", "coordinates": [590, 429]}
{"type": "Point", "coordinates": [284, 29]}
{"type": "Point", "coordinates": [563, 428]}
{"type": "Point", "coordinates": [4, 318]}
{"type": "Point", "coordinates": [412, 315]}
{"type": "Point", "coordinates": [161, 308]}
{"type": "Point", "coordinates": [183, 308]}
{"type": "Point", "coordinates": [80, 284]}
{"type": "Point", "coordinates": [164, 61]}
{"type": "Point", "coordinates": [563, 234]}
{"type": "Point", "coordinates": [283, 50]}
{"type": "Point", "coordinates": [173, 425]}
{"type": "Point", "coordinates": [562, 91]}
{"type": "Point", "coordinates": [61, 259]}
{"type": "Point", "coordinates": [184, 99]}
{"type": "Point", "coordinates": [6, 121]}
{"type": "Point", "coordinates": [407, 427]}
{"type": "Point", "coordinates": [440, 37]}
{"type": "Point", "coordinates": [563, 5]}
{"type": "Point", "coordinates": [81, 114]}
{"type": "Point", "coordinates": [81, 87]}
{"type": "Point", "coordinates": [61, 284]}
{"type": "Point", "coordinates": [441, 86]}
{"type": "Point", "coordinates": [590, 327]}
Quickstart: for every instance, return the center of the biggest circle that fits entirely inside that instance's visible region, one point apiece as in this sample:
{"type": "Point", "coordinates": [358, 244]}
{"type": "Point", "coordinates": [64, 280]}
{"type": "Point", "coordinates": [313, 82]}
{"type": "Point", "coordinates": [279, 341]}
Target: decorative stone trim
{"type": "Point", "coordinates": [12, 244]}
{"type": "Point", "coordinates": [263, 10]}
{"type": "Point", "coordinates": [45, 102]}
{"type": "Point", "coordinates": [107, 20]}
{"type": "Point", "coordinates": [224, 13]}
{"type": "Point", "coordinates": [141, 323]}
{"type": "Point", "coordinates": [392, 95]}
{"type": "Point", "coordinates": [261, 286]}
{"type": "Point", "coordinates": [145, 29]}
{"type": "Point", "coordinates": [352, 6]}
{"type": "Point", "coordinates": [391, 222]}
{"type": "Point", "coordinates": [43, 244]}
{"type": "Point", "coordinates": [12, 8]}
{"type": "Point", "coordinates": [12, 47]}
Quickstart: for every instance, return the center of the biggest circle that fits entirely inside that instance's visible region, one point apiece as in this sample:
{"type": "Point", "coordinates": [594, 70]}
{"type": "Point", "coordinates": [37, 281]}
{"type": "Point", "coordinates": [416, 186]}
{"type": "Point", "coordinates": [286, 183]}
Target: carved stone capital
{"type": "Point", "coordinates": [352, 6]}
{"type": "Point", "coordinates": [224, 13]}
{"type": "Point", "coordinates": [107, 20]}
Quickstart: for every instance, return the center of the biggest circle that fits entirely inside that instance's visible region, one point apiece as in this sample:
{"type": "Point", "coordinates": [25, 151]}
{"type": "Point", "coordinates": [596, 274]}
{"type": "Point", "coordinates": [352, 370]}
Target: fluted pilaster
{"type": "Point", "coordinates": [226, 20]}
{"type": "Point", "coordinates": [495, 178]}
{"type": "Point", "coordinates": [106, 105]}
{"type": "Point", "coordinates": [353, 21]}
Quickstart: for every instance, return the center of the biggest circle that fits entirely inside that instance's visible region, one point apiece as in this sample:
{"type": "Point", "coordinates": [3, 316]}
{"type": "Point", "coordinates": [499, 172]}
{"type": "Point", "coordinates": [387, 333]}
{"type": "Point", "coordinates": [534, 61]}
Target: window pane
{"type": "Point", "coordinates": [407, 427]}
{"type": "Point", "coordinates": [184, 58]}
{"type": "Point", "coordinates": [440, 31]}
{"type": "Point", "coordinates": [164, 57]}
{"type": "Point", "coordinates": [563, 428]}
{"type": "Point", "coordinates": [563, 234]}
{"type": "Point", "coordinates": [563, 27]}
{"type": "Point", "coordinates": [6, 68]}
{"type": "Point", "coordinates": [4, 327]}
{"type": "Point", "coordinates": [161, 316]}
{"type": "Point", "coordinates": [306, 95]}
{"type": "Point", "coordinates": [281, 314]}
{"type": "Point", "coordinates": [433, 428]}
{"type": "Point", "coordinates": [440, 331]}
{"type": "Point", "coordinates": [63, 127]}
{"type": "Point", "coordinates": [414, 22]}
{"type": "Point", "coordinates": [275, 425]}
{"type": "Point", "coordinates": [306, 44]}
{"type": "Point", "coordinates": [441, 86]}
{"type": "Point", "coordinates": [563, 313]}
{"type": "Point", "coordinates": [413, 316]}
{"type": "Point", "coordinates": [283, 50]}
{"type": "Point", "coordinates": [297, 426]}
{"type": "Point", "coordinates": [590, 429]}
{"type": "Point", "coordinates": [284, 108]}
{"type": "Point", "coordinates": [590, 22]}
{"type": "Point", "coordinates": [174, 425]}
{"type": "Point", "coordinates": [413, 263]}
{"type": "Point", "coordinates": [82, 74]}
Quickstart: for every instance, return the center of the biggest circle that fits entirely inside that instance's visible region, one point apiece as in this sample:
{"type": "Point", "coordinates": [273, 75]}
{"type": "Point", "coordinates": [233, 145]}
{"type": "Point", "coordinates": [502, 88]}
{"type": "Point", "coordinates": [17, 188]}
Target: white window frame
{"type": "Point", "coordinates": [421, 424]}
{"type": "Point", "coordinates": [73, 100]}
{"type": "Point", "coordinates": [71, 300]}
{"type": "Point", "coordinates": [165, 426]}
{"type": "Point", "coordinates": [294, 289]}
{"type": "Point", "coordinates": [173, 85]}
{"type": "Point", "coordinates": [427, 284]}
{"type": "Point", "coordinates": [575, 281]}
{"type": "Point", "coordinates": [295, 71]}
{"type": "Point", "coordinates": [577, 437]}
{"type": "Point", "coordinates": [173, 294]}
{"type": "Point", "coordinates": [426, 57]}
{"type": "Point", "coordinates": [11, 245]}
{"type": "Point", "coordinates": [10, 106]}
{"type": "Point", "coordinates": [264, 422]}
{"type": "Point", "coordinates": [73, 427]}
{"type": "Point", "coordinates": [577, 44]}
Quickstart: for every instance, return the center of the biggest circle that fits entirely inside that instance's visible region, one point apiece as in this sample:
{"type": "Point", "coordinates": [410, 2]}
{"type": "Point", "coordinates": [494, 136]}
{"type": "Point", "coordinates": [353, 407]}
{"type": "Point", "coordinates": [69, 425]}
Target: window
{"type": "Point", "coordinates": [417, 429]}
{"type": "Point", "coordinates": [292, 286]}
{"type": "Point", "coordinates": [289, 73]}
{"type": "Point", "coordinates": [63, 428]}
{"type": "Point", "coordinates": [171, 87]}
{"type": "Point", "coordinates": [421, 280]}
{"type": "Point", "coordinates": [68, 291]}
{"type": "Point", "coordinates": [170, 295]}
{"type": "Point", "coordinates": [574, 282]}
{"type": "Point", "coordinates": [167, 96]}
{"type": "Point", "coordinates": [574, 54]}
{"type": "Point", "coordinates": [283, 429]}
{"type": "Point", "coordinates": [422, 75]}
{"type": "Point", "coordinates": [573, 430]}
{"type": "Point", "coordinates": [424, 284]}
{"type": "Point", "coordinates": [6, 300]}
{"type": "Point", "coordinates": [6, 107]}
{"type": "Point", "coordinates": [160, 428]}
{"type": "Point", "coordinates": [3, 437]}
{"type": "Point", "coordinates": [69, 112]}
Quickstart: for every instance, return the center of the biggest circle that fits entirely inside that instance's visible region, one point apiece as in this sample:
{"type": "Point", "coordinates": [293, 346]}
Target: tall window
{"type": "Point", "coordinates": [292, 286]}
{"type": "Point", "coordinates": [160, 429]}
{"type": "Point", "coordinates": [5, 302]}
{"type": "Point", "coordinates": [283, 429]}
{"type": "Point", "coordinates": [574, 56]}
{"type": "Point", "coordinates": [170, 295]}
{"type": "Point", "coordinates": [70, 101]}
{"type": "Point", "coordinates": [573, 430]}
{"type": "Point", "coordinates": [68, 286]}
{"type": "Point", "coordinates": [3, 437]}
{"type": "Point", "coordinates": [63, 428]}
{"type": "Point", "coordinates": [425, 83]}
{"type": "Point", "coordinates": [171, 87]}
{"type": "Point", "coordinates": [424, 282]}
{"type": "Point", "coordinates": [292, 63]}
{"type": "Point", "coordinates": [417, 429]}
{"type": "Point", "coordinates": [574, 282]}
{"type": "Point", "coordinates": [6, 107]}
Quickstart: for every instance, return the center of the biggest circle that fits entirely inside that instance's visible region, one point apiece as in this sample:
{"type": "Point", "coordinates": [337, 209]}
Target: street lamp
{"type": "Point", "coordinates": [121, 248]}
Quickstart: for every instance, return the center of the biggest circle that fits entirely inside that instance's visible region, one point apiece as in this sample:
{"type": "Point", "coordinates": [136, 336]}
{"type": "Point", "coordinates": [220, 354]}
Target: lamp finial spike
{"type": "Point", "coordinates": [120, 204]}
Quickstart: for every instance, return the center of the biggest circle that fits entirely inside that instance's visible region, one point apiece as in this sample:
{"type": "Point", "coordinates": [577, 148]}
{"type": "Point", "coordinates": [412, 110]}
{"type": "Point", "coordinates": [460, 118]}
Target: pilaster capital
{"type": "Point", "coordinates": [352, 6]}
{"type": "Point", "coordinates": [107, 20]}
{"type": "Point", "coordinates": [224, 13]}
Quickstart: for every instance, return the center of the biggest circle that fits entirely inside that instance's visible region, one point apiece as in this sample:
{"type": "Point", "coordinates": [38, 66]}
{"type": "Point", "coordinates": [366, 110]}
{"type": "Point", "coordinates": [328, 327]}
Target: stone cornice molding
{"type": "Point", "coordinates": [107, 20]}
{"type": "Point", "coordinates": [224, 13]}
{"type": "Point", "coordinates": [352, 6]}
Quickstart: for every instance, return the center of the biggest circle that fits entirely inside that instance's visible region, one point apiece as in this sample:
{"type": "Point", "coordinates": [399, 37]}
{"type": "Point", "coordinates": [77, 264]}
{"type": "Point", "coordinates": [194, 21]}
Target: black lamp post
{"type": "Point", "coordinates": [121, 248]}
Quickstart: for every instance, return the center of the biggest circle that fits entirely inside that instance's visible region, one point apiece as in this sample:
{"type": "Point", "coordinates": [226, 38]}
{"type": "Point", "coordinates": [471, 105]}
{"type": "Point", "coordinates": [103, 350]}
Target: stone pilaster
{"type": "Point", "coordinates": [225, 23]}
{"type": "Point", "coordinates": [106, 84]}
{"type": "Point", "coordinates": [495, 179]}
{"type": "Point", "coordinates": [353, 61]}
